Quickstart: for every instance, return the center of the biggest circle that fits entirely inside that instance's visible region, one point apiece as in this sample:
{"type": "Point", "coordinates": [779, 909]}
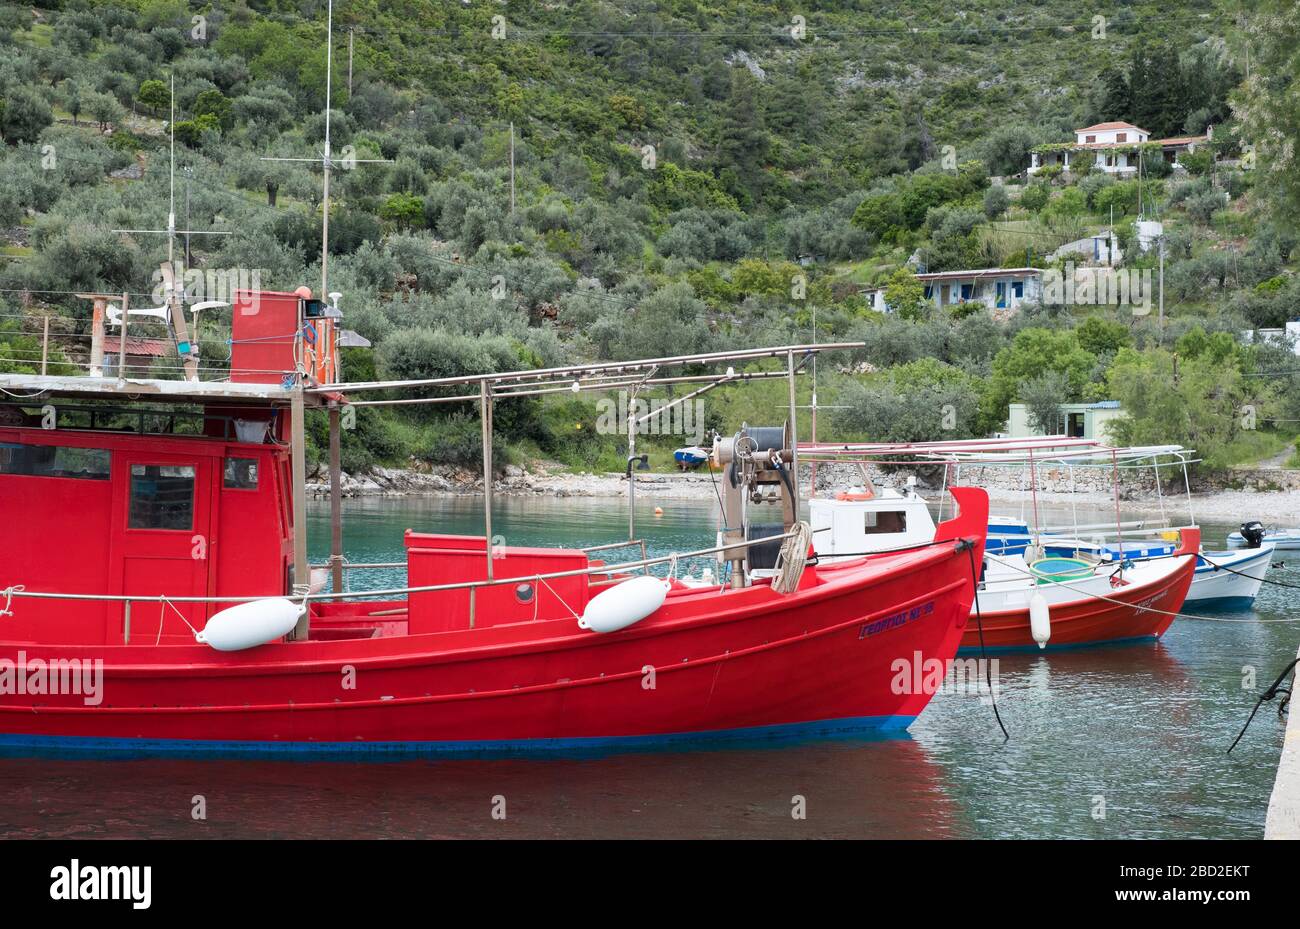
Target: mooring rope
{"type": "Point", "coordinates": [1266, 696]}
{"type": "Point", "coordinates": [1152, 609]}
{"type": "Point", "coordinates": [979, 624]}
{"type": "Point", "coordinates": [1220, 567]}
{"type": "Point", "coordinates": [9, 599]}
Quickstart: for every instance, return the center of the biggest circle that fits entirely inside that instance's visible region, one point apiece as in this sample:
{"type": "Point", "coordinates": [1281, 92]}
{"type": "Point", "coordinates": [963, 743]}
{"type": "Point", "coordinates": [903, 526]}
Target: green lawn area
{"type": "Point", "coordinates": [1255, 446]}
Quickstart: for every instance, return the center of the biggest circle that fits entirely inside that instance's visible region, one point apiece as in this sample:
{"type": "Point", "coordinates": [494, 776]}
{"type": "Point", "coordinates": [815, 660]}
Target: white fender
{"type": "Point", "coordinates": [624, 604]}
{"type": "Point", "coordinates": [1040, 619]}
{"type": "Point", "coordinates": [254, 623]}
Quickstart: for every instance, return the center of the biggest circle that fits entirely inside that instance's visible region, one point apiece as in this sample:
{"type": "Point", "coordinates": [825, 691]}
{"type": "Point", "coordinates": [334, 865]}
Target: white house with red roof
{"type": "Point", "coordinates": [1113, 147]}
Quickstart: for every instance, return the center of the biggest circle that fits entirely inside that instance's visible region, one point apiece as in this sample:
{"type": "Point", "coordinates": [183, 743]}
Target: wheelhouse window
{"type": "Point", "coordinates": [241, 474]}
{"type": "Point", "coordinates": [54, 461]}
{"type": "Point", "coordinates": [882, 522]}
{"type": "Point", "coordinates": [162, 497]}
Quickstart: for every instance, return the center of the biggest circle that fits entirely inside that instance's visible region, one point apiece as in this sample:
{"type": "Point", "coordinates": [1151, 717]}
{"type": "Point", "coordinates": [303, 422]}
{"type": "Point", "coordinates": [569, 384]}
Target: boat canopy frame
{"type": "Point", "coordinates": [1030, 453]}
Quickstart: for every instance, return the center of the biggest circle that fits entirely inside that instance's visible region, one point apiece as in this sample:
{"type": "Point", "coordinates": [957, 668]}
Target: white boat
{"type": "Point", "coordinates": [1287, 540]}
{"type": "Point", "coordinates": [1230, 579]}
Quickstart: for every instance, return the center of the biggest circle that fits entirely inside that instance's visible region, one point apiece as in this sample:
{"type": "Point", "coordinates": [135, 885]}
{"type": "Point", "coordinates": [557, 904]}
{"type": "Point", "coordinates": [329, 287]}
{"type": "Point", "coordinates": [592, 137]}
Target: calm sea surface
{"type": "Point", "coordinates": [1112, 742]}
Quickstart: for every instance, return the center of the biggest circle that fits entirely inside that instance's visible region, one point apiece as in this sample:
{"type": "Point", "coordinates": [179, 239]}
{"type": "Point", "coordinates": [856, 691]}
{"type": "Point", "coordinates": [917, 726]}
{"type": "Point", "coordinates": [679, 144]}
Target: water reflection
{"type": "Point", "coordinates": [848, 789]}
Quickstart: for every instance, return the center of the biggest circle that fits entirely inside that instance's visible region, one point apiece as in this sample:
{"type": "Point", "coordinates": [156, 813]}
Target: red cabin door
{"type": "Point", "coordinates": [162, 516]}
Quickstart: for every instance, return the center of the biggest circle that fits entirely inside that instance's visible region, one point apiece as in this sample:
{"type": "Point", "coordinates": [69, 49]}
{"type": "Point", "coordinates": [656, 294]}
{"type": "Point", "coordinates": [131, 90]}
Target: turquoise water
{"type": "Point", "coordinates": [1110, 742]}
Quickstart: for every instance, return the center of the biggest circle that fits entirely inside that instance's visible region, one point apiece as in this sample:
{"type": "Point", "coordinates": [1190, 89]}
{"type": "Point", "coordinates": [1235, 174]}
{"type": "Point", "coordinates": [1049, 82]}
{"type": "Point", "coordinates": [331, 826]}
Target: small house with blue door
{"type": "Point", "coordinates": [996, 288]}
{"type": "Point", "coordinates": [1078, 421]}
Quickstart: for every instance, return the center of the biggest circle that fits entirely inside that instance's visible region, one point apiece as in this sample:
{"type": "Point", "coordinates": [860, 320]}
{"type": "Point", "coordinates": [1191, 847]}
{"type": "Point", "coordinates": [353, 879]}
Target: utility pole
{"type": "Point", "coordinates": [189, 173]}
{"type": "Point", "coordinates": [512, 168]}
{"type": "Point", "coordinates": [350, 30]}
{"type": "Point", "coordinates": [1141, 215]}
{"type": "Point", "coordinates": [1162, 286]}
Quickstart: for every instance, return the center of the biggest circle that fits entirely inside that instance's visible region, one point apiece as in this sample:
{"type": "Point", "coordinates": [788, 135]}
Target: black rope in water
{"type": "Point", "coordinates": [979, 623]}
{"type": "Point", "coordinates": [1220, 567]}
{"type": "Point", "coordinates": [1267, 695]}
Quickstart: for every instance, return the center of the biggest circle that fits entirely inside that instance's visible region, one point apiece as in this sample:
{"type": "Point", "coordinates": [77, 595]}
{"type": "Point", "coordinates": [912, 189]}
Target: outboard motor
{"type": "Point", "coordinates": [1253, 533]}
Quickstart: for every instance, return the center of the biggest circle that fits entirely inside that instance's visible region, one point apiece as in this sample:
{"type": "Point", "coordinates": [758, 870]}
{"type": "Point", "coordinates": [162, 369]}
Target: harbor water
{"type": "Point", "coordinates": [1112, 742]}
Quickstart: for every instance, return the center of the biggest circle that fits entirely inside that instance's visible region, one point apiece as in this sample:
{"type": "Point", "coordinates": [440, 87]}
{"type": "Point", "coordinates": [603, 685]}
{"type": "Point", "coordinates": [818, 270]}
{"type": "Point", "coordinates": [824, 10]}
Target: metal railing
{"type": "Point", "coordinates": [17, 592]}
{"type": "Point", "coordinates": [372, 565]}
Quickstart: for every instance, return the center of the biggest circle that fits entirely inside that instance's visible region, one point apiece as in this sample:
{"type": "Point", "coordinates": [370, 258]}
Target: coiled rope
{"type": "Point", "coordinates": [792, 559]}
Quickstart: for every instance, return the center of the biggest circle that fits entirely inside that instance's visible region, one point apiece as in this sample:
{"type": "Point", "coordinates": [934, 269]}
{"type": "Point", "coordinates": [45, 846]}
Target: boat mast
{"type": "Point", "coordinates": [325, 161]}
{"type": "Point", "coordinates": [794, 440]}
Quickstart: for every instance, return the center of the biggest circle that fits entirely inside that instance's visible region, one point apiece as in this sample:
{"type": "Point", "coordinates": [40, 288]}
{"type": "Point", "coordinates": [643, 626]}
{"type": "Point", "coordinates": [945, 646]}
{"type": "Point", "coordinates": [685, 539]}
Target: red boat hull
{"type": "Point", "coordinates": [738, 664]}
{"type": "Point", "coordinates": [1129, 613]}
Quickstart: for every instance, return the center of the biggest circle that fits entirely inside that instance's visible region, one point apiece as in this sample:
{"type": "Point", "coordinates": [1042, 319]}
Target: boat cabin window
{"type": "Point", "coordinates": [54, 461]}
{"type": "Point", "coordinates": [241, 473]}
{"type": "Point", "coordinates": [162, 497]}
{"type": "Point", "coordinates": [892, 521]}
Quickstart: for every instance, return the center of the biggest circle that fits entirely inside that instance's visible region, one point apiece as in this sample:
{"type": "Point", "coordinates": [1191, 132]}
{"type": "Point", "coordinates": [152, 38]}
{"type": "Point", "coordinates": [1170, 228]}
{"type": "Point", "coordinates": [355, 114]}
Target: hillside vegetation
{"type": "Point", "coordinates": [688, 176]}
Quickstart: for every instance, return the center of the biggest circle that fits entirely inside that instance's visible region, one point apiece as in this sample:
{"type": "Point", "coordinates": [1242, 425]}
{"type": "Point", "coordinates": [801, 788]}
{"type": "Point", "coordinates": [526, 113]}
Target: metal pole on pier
{"type": "Point", "coordinates": [121, 345]}
{"type": "Point", "coordinates": [45, 345]}
{"type": "Point", "coordinates": [298, 462]}
{"type": "Point", "coordinates": [631, 454]}
{"type": "Point", "coordinates": [336, 499]}
{"type": "Point", "coordinates": [97, 333]}
{"type": "Point", "coordinates": [485, 414]}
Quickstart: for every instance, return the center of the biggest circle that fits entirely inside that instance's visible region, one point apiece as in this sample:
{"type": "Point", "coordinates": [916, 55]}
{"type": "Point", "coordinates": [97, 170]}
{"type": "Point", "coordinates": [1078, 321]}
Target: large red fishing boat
{"type": "Point", "coordinates": [156, 595]}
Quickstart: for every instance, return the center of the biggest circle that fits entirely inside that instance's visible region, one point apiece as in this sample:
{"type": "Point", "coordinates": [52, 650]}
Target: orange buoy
{"type": "Point", "coordinates": [659, 511]}
{"type": "Point", "coordinates": [845, 495]}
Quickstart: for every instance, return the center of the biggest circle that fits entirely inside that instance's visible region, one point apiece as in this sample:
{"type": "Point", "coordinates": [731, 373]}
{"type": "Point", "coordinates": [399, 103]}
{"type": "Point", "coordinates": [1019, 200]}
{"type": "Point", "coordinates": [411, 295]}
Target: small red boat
{"type": "Point", "coordinates": [1139, 603]}
{"type": "Point", "coordinates": [1080, 601]}
{"type": "Point", "coordinates": [124, 551]}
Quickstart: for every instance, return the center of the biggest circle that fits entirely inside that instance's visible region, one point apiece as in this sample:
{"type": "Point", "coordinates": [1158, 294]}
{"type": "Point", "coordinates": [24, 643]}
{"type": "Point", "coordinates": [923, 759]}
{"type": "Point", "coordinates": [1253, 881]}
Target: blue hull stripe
{"type": "Point", "coordinates": [754, 736]}
{"type": "Point", "coordinates": [1222, 603]}
{"type": "Point", "coordinates": [1225, 561]}
{"type": "Point", "coordinates": [974, 651]}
